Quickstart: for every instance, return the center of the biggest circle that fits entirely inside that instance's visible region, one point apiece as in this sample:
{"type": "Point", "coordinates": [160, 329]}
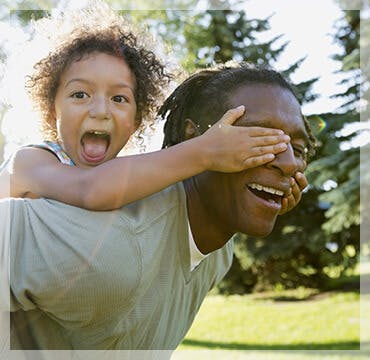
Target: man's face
{"type": "Point", "coordinates": [243, 202]}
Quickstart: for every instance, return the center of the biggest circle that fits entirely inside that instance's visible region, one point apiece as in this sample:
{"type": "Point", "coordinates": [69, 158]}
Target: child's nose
{"type": "Point", "coordinates": [100, 109]}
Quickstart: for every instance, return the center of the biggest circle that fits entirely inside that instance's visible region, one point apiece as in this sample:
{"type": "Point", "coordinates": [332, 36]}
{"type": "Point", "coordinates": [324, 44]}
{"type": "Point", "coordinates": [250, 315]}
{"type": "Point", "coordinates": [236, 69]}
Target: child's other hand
{"type": "Point", "coordinates": [235, 148]}
{"type": "Point", "coordinates": [298, 183]}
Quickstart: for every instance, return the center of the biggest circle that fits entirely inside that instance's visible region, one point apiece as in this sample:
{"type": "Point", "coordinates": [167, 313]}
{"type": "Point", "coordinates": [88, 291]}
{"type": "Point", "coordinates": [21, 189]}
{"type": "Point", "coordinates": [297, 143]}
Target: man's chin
{"type": "Point", "coordinates": [261, 234]}
{"type": "Point", "coordinates": [261, 231]}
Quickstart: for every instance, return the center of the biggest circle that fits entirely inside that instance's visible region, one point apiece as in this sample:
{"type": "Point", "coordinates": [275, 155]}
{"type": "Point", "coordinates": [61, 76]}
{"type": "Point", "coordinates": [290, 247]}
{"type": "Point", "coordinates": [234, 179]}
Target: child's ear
{"type": "Point", "coordinates": [191, 129]}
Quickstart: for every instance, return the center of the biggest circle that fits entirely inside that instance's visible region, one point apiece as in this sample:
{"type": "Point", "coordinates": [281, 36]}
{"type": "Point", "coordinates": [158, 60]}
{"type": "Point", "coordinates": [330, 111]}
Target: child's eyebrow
{"type": "Point", "coordinates": [123, 85]}
{"type": "Point", "coordinates": [76, 80]}
{"type": "Point", "coordinates": [117, 85]}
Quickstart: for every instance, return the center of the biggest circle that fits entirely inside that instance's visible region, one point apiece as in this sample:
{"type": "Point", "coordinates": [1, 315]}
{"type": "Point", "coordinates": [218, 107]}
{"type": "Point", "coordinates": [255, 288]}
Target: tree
{"type": "Point", "coordinates": [201, 38]}
{"type": "Point", "coordinates": [339, 158]}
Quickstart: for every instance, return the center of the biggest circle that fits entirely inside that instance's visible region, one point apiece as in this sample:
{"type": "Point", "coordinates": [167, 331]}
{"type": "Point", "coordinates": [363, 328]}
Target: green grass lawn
{"type": "Point", "coordinates": [287, 325]}
{"type": "Point", "coordinates": [250, 323]}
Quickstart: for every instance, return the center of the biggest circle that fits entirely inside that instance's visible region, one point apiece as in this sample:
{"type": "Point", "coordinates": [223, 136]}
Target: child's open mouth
{"type": "Point", "coordinates": [95, 144]}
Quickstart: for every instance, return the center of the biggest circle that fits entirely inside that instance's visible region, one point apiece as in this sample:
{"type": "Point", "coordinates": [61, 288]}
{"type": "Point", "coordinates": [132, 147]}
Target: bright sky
{"type": "Point", "coordinates": [307, 25]}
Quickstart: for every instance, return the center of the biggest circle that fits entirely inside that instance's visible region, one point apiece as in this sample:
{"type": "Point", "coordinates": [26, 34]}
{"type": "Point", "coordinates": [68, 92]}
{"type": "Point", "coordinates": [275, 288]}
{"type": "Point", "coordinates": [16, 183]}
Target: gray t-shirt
{"type": "Point", "coordinates": [104, 280]}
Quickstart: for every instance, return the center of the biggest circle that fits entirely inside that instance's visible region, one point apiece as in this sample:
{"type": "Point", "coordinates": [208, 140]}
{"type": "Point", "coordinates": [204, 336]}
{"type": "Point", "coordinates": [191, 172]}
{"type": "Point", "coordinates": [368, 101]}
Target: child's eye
{"type": "Point", "coordinates": [119, 98]}
{"type": "Point", "coordinates": [79, 95]}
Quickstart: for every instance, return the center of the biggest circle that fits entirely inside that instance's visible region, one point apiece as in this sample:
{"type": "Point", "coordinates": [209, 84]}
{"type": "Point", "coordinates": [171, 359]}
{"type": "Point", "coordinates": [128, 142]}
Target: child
{"type": "Point", "coordinates": [93, 92]}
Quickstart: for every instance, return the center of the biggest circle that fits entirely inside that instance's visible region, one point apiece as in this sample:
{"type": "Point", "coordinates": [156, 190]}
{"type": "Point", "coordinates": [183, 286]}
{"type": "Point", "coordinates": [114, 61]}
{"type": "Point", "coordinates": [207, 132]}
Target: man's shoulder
{"type": "Point", "coordinates": [137, 215]}
{"type": "Point", "coordinates": [171, 201]}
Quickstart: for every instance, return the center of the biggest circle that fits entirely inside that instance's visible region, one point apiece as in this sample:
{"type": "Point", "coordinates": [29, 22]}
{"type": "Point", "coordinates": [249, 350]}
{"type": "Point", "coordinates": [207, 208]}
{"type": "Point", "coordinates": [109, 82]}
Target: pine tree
{"type": "Point", "coordinates": [339, 157]}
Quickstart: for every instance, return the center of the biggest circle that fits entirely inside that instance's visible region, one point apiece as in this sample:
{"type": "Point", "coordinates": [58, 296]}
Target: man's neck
{"type": "Point", "coordinates": [207, 230]}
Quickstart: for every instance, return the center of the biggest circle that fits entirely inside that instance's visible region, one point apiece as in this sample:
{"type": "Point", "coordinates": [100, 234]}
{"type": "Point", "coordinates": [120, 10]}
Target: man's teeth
{"type": "Point", "coordinates": [266, 189]}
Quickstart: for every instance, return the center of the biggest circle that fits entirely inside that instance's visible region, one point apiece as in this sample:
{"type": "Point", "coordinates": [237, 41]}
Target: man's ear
{"type": "Point", "coordinates": [191, 129]}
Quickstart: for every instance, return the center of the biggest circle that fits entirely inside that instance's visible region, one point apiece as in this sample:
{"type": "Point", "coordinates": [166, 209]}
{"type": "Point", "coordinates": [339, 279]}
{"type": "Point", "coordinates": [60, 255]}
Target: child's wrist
{"type": "Point", "coordinates": [202, 155]}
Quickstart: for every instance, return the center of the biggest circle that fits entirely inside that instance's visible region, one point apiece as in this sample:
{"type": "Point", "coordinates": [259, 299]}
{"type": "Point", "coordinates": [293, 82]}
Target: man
{"type": "Point", "coordinates": [126, 279]}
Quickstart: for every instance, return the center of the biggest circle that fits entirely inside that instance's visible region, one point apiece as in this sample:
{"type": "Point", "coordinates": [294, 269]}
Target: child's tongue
{"type": "Point", "coordinates": [94, 147]}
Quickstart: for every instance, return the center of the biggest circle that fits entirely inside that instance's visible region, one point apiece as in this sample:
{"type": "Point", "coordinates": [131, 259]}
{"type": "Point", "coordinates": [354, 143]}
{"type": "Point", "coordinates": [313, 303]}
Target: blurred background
{"type": "Point", "coordinates": [310, 263]}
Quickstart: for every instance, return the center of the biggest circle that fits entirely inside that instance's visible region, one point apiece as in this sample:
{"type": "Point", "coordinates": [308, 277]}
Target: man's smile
{"type": "Point", "coordinates": [266, 195]}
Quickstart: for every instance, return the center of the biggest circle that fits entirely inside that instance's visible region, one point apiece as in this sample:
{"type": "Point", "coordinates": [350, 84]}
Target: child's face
{"type": "Point", "coordinates": [95, 108]}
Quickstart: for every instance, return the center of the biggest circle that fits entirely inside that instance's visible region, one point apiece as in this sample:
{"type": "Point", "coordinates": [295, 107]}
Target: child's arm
{"type": "Point", "coordinates": [117, 182]}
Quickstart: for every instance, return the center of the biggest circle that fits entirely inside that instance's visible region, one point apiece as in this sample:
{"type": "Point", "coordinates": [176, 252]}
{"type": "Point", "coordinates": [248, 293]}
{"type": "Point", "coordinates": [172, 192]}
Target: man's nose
{"type": "Point", "coordinates": [99, 108]}
{"type": "Point", "coordinates": [286, 162]}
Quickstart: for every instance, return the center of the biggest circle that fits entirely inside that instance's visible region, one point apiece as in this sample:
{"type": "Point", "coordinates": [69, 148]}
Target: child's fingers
{"type": "Point", "coordinates": [301, 180]}
{"type": "Point", "coordinates": [258, 160]}
{"type": "Point", "coordinates": [287, 203]}
{"type": "Point", "coordinates": [261, 155]}
{"type": "Point", "coordinates": [269, 140]}
{"type": "Point", "coordinates": [257, 131]}
{"type": "Point", "coordinates": [262, 150]}
{"type": "Point", "coordinates": [284, 206]}
{"type": "Point", "coordinates": [296, 192]}
{"type": "Point", "coordinates": [291, 200]}
{"type": "Point", "coordinates": [231, 116]}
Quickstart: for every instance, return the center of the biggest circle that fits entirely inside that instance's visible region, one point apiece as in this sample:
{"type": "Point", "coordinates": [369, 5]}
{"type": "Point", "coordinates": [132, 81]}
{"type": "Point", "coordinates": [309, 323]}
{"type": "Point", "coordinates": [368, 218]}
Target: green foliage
{"type": "Point", "coordinates": [200, 38]}
{"type": "Point", "coordinates": [25, 16]}
{"type": "Point", "coordinates": [25, 10]}
{"type": "Point", "coordinates": [348, 34]}
{"type": "Point", "coordinates": [340, 163]}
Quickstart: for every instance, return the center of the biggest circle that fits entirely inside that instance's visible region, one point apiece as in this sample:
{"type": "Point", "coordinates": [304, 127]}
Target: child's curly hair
{"type": "Point", "coordinates": [83, 32]}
